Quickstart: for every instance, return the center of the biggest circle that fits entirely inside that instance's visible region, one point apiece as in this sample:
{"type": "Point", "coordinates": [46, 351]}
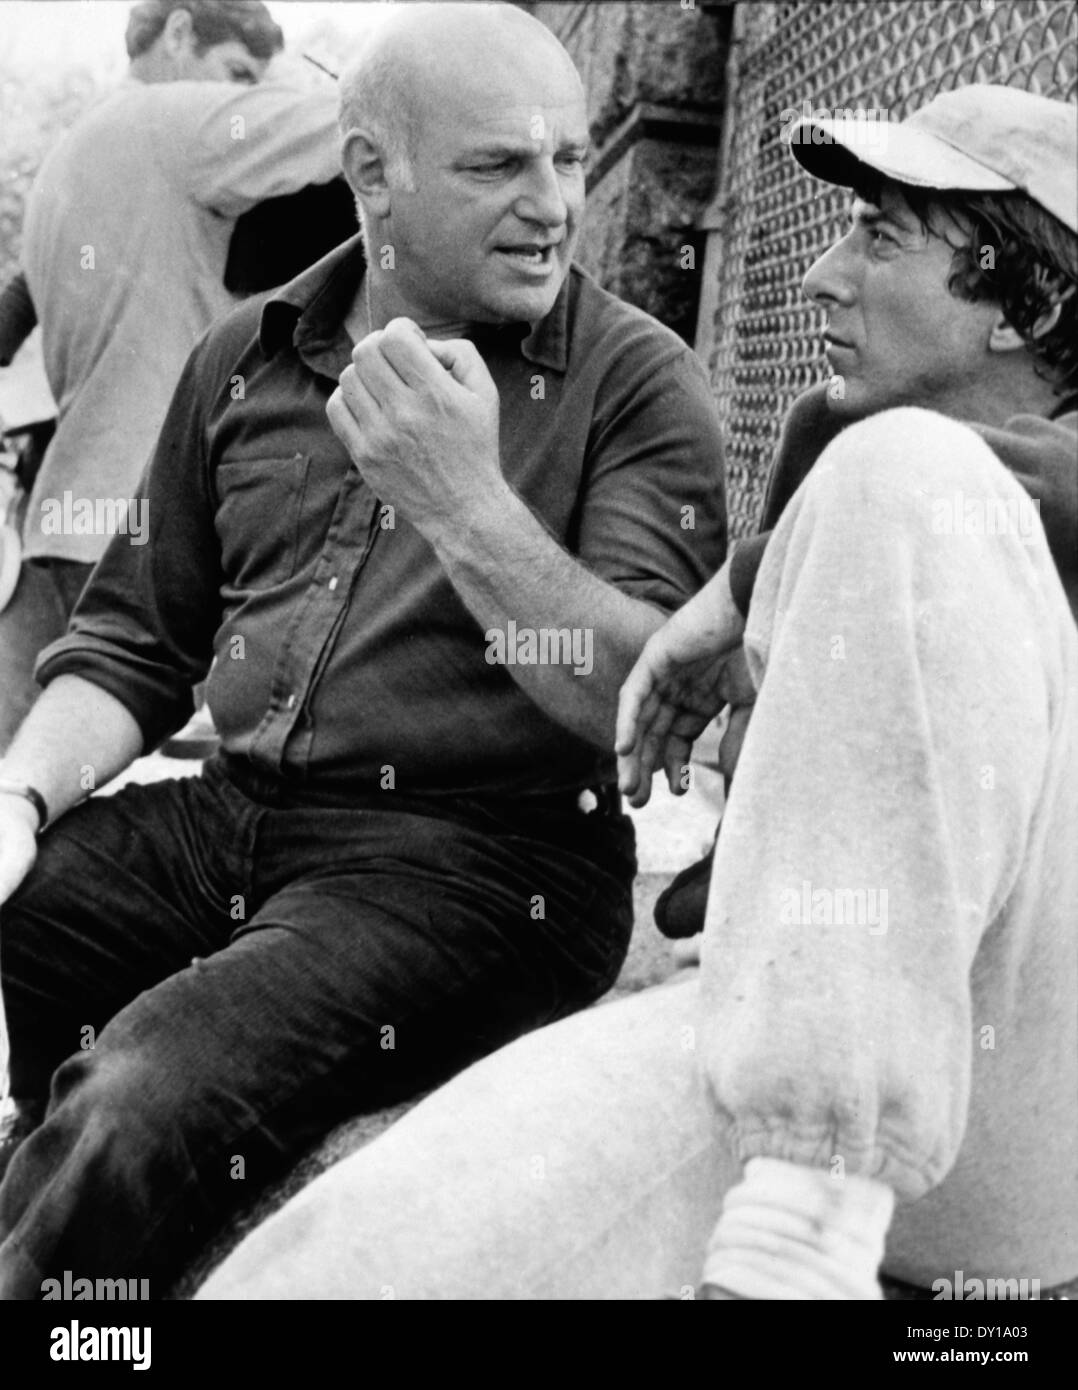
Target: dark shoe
{"type": "Point", "coordinates": [17, 1122]}
{"type": "Point", "coordinates": [681, 906]}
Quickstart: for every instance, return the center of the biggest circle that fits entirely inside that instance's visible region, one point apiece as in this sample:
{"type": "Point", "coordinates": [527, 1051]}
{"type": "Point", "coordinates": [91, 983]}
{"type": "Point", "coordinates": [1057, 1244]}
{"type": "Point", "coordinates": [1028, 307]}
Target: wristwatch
{"type": "Point", "coordinates": [31, 794]}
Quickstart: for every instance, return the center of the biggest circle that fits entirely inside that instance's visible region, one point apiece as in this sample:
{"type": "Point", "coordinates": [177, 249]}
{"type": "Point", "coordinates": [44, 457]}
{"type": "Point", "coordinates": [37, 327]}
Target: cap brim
{"type": "Point", "coordinates": [834, 150]}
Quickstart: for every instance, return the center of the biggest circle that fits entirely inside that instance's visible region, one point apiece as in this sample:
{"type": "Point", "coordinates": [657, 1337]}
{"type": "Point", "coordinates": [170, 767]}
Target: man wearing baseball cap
{"type": "Point", "coordinates": [879, 1063]}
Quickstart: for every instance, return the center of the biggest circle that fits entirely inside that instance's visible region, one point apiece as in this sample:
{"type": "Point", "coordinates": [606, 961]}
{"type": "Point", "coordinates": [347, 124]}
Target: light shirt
{"type": "Point", "coordinates": [124, 247]}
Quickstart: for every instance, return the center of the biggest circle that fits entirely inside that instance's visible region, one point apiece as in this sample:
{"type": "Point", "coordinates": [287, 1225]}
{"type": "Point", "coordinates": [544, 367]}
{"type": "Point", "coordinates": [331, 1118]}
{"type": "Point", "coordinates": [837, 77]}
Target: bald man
{"type": "Point", "coordinates": [420, 510]}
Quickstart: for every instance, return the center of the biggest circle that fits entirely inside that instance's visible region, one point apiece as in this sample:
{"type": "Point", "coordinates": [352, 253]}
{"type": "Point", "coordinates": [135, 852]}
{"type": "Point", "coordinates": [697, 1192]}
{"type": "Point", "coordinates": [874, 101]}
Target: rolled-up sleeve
{"type": "Point", "coordinates": [143, 629]}
{"type": "Point", "coordinates": [653, 518]}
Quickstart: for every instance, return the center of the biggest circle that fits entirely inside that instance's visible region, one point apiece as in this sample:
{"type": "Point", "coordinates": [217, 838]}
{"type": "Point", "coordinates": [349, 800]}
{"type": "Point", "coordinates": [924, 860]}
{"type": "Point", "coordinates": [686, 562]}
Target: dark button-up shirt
{"type": "Point", "coordinates": [343, 659]}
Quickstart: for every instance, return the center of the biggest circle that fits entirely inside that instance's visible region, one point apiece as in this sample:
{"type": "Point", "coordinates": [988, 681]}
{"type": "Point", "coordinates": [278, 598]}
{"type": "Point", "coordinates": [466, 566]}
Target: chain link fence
{"type": "Point", "coordinates": [759, 335]}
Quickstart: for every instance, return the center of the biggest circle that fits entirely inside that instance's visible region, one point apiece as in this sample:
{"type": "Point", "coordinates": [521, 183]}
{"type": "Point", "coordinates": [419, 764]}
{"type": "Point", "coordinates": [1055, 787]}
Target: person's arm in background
{"type": "Point", "coordinates": [141, 637]}
{"type": "Point", "coordinates": [229, 147]}
{"type": "Point", "coordinates": [18, 317]}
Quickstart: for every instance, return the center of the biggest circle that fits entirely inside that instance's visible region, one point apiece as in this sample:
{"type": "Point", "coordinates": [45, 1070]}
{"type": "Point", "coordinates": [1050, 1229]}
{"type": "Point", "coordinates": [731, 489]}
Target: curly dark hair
{"type": "Point", "coordinates": [212, 22]}
{"type": "Point", "coordinates": [1033, 265]}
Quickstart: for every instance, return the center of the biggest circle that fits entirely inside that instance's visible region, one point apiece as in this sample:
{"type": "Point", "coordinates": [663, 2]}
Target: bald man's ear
{"type": "Point", "coordinates": [178, 34]}
{"type": "Point", "coordinates": [365, 169]}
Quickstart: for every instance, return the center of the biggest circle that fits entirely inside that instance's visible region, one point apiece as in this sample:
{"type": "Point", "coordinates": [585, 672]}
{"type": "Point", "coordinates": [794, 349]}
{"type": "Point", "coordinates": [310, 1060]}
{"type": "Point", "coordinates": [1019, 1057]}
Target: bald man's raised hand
{"type": "Point", "coordinates": [419, 419]}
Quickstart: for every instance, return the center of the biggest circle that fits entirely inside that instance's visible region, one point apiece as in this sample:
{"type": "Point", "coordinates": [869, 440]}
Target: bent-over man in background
{"type": "Point", "coordinates": [124, 249]}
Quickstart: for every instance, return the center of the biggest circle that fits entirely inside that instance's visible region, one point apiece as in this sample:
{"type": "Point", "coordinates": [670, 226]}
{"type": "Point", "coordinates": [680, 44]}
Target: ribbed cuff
{"type": "Point", "coordinates": [793, 1232]}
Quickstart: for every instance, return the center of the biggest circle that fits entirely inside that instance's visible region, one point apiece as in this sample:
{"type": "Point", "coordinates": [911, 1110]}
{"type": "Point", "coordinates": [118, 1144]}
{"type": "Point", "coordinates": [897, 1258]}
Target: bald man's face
{"type": "Point", "coordinates": [488, 231]}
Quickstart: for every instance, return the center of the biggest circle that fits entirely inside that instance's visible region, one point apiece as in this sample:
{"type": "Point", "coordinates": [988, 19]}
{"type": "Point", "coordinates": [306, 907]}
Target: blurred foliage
{"type": "Point", "coordinates": [34, 112]}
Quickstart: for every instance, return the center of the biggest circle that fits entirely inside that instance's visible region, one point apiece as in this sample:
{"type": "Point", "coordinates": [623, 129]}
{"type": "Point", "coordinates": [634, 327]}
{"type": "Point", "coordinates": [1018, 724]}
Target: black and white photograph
{"type": "Point", "coordinates": [539, 666]}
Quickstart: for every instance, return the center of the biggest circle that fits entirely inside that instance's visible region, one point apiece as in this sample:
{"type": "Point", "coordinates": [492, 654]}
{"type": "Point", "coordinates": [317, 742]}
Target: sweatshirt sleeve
{"type": "Point", "coordinates": [232, 148]}
{"type": "Point", "coordinates": [808, 428]}
{"type": "Point", "coordinates": [143, 627]}
{"type": "Point", "coordinates": [862, 860]}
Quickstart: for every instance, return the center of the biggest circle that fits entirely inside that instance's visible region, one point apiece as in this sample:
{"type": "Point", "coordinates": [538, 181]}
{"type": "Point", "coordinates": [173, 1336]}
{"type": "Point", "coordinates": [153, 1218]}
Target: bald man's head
{"type": "Point", "coordinates": [419, 51]}
{"type": "Point", "coordinates": [465, 137]}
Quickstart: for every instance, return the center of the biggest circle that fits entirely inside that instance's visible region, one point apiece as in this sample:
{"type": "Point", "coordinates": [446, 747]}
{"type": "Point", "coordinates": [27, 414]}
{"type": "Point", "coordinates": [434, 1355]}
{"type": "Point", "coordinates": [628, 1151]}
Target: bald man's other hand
{"type": "Point", "coordinates": [419, 418]}
{"type": "Point", "coordinates": [18, 843]}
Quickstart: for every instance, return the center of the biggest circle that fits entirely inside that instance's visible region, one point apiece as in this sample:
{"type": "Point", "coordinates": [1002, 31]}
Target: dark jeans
{"type": "Point", "coordinates": [253, 972]}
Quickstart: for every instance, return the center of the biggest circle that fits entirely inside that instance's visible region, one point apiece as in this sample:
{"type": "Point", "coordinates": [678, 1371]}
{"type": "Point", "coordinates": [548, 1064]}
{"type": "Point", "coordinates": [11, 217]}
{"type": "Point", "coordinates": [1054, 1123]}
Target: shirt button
{"type": "Point", "coordinates": [333, 583]}
{"type": "Point", "coordinates": [291, 702]}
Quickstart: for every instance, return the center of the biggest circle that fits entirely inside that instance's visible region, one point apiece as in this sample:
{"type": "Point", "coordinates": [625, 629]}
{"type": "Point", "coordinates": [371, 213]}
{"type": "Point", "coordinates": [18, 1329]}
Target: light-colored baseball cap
{"type": "Point", "coordinates": [981, 137]}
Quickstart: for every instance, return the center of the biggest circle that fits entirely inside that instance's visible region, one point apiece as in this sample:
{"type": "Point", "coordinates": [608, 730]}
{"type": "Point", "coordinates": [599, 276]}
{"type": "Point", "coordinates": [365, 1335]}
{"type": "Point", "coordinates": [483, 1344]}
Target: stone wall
{"type": "Point", "coordinates": [654, 73]}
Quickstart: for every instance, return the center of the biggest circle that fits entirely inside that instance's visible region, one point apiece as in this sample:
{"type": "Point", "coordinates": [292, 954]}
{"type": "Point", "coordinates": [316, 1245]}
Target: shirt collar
{"type": "Point", "coordinates": [547, 341]}
{"type": "Point", "coordinates": [322, 295]}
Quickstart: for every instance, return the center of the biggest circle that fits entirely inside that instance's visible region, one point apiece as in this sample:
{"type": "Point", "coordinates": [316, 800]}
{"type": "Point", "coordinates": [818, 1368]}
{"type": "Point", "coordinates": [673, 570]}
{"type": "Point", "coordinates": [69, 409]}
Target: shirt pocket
{"type": "Point", "coordinates": [259, 507]}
